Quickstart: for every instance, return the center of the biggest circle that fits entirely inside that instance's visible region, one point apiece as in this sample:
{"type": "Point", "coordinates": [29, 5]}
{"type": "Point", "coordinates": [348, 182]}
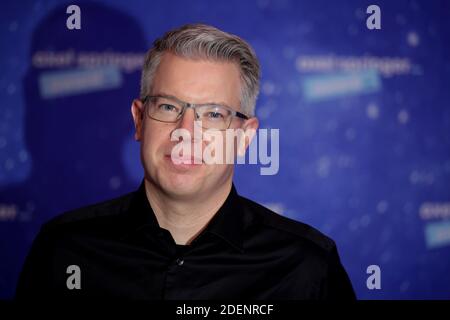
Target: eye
{"type": "Point", "coordinates": [215, 115]}
{"type": "Point", "coordinates": [167, 108]}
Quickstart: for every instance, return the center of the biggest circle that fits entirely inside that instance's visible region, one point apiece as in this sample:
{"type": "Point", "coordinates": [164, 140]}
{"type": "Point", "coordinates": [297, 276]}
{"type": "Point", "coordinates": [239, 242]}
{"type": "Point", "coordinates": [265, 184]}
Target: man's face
{"type": "Point", "coordinates": [194, 81]}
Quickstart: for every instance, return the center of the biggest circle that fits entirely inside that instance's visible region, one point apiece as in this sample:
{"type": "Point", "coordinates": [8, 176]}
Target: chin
{"type": "Point", "coordinates": [180, 184]}
{"type": "Point", "coordinates": [184, 190]}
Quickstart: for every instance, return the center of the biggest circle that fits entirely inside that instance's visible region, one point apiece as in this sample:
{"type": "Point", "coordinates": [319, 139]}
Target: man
{"type": "Point", "coordinates": [186, 233]}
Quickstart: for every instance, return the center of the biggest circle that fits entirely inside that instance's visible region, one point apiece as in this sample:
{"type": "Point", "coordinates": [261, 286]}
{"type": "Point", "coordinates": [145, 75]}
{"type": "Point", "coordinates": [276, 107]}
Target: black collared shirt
{"type": "Point", "coordinates": [246, 251]}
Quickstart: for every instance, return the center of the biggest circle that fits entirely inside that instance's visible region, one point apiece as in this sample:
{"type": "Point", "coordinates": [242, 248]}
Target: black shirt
{"type": "Point", "coordinates": [246, 251]}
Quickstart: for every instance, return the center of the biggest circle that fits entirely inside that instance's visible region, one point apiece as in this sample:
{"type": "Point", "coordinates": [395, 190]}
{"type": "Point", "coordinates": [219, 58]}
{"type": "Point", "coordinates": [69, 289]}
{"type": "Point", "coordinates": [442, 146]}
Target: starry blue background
{"type": "Point", "coordinates": [369, 166]}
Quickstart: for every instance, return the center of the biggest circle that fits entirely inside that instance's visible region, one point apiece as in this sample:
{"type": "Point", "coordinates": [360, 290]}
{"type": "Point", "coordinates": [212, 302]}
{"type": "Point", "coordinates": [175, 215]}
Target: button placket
{"type": "Point", "coordinates": [179, 261]}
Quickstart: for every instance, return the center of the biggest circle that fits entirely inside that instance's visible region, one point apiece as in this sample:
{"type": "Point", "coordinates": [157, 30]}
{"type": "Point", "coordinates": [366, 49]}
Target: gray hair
{"type": "Point", "coordinates": [204, 41]}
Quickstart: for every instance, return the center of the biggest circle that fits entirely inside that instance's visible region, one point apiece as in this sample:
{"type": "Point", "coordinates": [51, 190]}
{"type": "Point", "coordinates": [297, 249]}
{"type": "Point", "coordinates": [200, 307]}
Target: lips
{"type": "Point", "coordinates": [194, 161]}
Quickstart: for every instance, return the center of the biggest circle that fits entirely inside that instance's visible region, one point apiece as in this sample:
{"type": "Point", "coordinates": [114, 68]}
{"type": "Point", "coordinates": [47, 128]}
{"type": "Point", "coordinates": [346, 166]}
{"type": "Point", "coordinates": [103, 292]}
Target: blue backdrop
{"type": "Point", "coordinates": [364, 121]}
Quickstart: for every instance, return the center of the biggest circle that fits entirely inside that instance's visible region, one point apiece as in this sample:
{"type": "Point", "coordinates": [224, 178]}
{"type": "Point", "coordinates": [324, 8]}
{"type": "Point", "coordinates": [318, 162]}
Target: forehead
{"type": "Point", "coordinates": [199, 80]}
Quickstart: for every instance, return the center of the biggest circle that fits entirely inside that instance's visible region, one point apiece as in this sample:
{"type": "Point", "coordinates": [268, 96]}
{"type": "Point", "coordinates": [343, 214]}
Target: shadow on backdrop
{"type": "Point", "coordinates": [78, 92]}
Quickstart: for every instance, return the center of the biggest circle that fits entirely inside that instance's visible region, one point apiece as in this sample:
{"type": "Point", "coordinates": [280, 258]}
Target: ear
{"type": "Point", "coordinates": [250, 127]}
{"type": "Point", "coordinates": [137, 110]}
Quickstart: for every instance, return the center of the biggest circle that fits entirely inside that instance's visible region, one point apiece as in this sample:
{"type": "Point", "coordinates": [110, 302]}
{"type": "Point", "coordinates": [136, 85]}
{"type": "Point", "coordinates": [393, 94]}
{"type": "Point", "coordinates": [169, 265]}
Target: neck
{"type": "Point", "coordinates": [184, 218]}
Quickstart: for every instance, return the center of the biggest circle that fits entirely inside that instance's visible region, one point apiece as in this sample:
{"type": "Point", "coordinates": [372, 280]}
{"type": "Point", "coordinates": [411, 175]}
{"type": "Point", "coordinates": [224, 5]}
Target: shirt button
{"type": "Point", "coordinates": [179, 261]}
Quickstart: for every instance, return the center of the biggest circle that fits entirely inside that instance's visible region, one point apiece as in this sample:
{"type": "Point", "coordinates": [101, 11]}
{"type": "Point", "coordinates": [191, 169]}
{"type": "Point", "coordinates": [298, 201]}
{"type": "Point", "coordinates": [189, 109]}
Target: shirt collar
{"type": "Point", "coordinates": [228, 224]}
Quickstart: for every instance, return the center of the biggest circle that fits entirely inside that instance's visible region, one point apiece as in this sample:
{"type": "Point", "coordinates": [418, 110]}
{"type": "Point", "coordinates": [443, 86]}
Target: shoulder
{"type": "Point", "coordinates": [286, 228]}
{"type": "Point", "coordinates": [101, 212]}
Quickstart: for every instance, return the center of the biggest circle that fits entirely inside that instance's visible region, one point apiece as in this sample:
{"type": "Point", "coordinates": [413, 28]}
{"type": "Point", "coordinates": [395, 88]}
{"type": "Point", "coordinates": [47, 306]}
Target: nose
{"type": "Point", "coordinates": [187, 121]}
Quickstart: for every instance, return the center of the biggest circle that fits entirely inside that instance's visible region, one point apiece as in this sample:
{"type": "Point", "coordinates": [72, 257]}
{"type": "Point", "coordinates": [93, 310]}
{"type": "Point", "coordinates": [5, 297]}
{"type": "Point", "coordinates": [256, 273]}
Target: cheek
{"type": "Point", "coordinates": [153, 140]}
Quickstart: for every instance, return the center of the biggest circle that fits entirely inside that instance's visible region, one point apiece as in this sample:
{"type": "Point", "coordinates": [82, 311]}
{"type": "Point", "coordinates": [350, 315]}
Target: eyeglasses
{"type": "Point", "coordinates": [169, 109]}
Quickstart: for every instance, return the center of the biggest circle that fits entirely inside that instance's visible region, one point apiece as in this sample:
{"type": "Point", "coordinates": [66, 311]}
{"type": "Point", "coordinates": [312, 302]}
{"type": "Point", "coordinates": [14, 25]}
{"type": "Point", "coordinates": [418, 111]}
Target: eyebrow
{"type": "Point", "coordinates": [164, 95]}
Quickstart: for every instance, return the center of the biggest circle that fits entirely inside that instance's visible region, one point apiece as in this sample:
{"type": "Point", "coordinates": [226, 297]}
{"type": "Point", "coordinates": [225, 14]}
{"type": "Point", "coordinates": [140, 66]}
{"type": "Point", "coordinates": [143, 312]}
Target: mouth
{"type": "Point", "coordinates": [185, 162]}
